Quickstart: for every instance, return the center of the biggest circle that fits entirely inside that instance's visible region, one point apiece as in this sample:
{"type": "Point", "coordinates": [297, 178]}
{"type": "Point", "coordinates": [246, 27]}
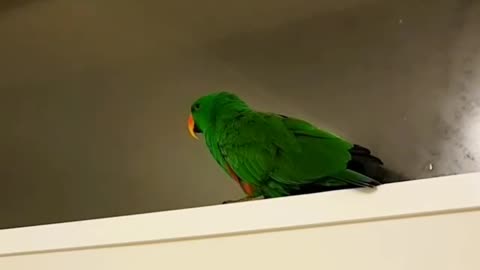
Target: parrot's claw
{"type": "Point", "coordinates": [248, 198]}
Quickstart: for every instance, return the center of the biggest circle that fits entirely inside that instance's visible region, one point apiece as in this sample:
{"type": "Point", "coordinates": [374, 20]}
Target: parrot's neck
{"type": "Point", "coordinates": [225, 113]}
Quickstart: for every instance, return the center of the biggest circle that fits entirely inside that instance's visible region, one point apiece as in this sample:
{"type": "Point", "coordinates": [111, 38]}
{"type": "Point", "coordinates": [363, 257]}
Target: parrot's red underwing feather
{"type": "Point", "coordinates": [247, 188]}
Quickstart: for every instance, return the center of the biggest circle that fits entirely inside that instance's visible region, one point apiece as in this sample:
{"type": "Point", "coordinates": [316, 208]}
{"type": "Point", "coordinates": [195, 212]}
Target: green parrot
{"type": "Point", "coordinates": [271, 155]}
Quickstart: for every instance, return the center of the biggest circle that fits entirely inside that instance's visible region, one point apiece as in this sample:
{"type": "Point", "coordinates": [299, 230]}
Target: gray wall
{"type": "Point", "coordinates": [94, 95]}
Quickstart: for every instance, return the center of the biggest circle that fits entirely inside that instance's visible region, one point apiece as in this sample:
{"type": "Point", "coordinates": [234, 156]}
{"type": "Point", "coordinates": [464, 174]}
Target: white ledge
{"type": "Point", "coordinates": [428, 196]}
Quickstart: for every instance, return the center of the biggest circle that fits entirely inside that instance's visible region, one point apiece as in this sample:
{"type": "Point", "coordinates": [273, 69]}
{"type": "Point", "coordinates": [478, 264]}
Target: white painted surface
{"type": "Point", "coordinates": [424, 224]}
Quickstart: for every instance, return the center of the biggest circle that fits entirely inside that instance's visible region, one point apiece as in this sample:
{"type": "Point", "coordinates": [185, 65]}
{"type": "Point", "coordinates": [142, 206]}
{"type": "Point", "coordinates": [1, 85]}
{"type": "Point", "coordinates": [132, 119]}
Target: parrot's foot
{"type": "Point", "coordinates": [248, 198]}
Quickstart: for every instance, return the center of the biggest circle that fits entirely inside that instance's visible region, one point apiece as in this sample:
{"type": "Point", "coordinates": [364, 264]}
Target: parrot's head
{"type": "Point", "coordinates": [205, 110]}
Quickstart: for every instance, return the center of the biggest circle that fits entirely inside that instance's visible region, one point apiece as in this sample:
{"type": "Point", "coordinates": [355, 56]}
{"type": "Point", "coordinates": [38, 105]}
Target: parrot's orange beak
{"type": "Point", "coordinates": [191, 126]}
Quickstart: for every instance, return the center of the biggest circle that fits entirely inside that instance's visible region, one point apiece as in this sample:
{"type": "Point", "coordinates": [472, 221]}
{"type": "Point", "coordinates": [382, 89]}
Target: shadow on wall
{"type": "Point", "coordinates": [384, 78]}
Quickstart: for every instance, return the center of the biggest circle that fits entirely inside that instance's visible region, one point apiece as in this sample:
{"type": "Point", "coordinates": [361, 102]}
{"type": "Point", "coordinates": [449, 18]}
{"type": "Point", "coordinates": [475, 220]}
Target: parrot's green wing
{"type": "Point", "coordinates": [268, 150]}
{"type": "Point", "coordinates": [323, 156]}
{"type": "Point", "coordinates": [247, 147]}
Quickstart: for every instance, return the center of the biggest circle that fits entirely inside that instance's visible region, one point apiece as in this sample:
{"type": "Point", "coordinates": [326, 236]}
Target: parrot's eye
{"type": "Point", "coordinates": [195, 107]}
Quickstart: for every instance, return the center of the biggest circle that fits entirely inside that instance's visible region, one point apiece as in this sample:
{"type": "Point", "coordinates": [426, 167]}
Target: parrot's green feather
{"type": "Point", "coordinates": [275, 154]}
{"type": "Point", "coordinates": [350, 177]}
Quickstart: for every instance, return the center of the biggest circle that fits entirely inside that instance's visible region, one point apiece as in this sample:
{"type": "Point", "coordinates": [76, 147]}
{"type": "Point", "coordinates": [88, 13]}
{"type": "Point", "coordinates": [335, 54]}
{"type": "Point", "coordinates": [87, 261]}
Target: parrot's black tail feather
{"type": "Point", "coordinates": [367, 164]}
